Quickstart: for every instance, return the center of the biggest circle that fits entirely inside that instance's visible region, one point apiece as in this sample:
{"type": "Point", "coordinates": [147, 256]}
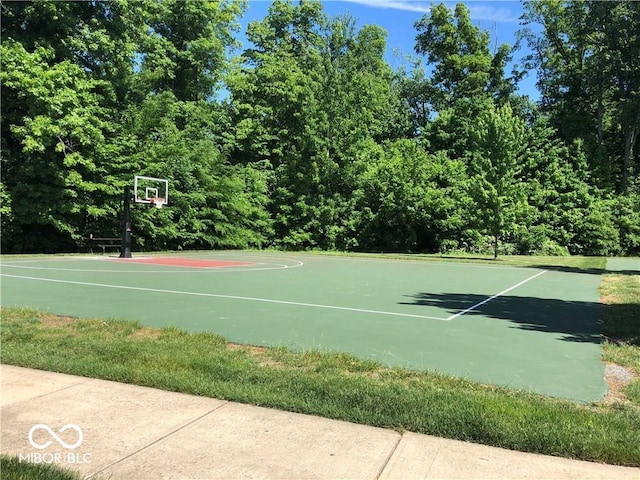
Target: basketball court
{"type": "Point", "coordinates": [524, 328]}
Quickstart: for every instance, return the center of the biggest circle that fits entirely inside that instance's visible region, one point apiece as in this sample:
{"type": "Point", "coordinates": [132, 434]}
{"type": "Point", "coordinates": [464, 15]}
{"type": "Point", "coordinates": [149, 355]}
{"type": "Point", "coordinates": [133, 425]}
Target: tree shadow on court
{"type": "Point", "coordinates": [575, 321]}
{"type": "Point", "coordinates": [565, 269]}
{"type": "Point", "coordinates": [624, 272]}
{"type": "Point", "coordinates": [591, 271]}
{"type": "Point", "coordinates": [621, 323]}
{"type": "Point", "coordinates": [545, 266]}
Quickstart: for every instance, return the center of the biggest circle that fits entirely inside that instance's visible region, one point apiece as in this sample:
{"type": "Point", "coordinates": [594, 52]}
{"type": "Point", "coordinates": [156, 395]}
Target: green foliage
{"type": "Point", "coordinates": [213, 204]}
{"type": "Point", "coordinates": [413, 199]}
{"type": "Point", "coordinates": [495, 166]}
{"type": "Point", "coordinates": [565, 213]}
{"type": "Point", "coordinates": [6, 212]}
{"type": "Point", "coordinates": [595, 232]}
{"type": "Point", "coordinates": [459, 50]}
{"type": "Point", "coordinates": [308, 94]}
{"type": "Point", "coordinates": [185, 51]}
{"type": "Point", "coordinates": [318, 143]}
{"type": "Point", "coordinates": [71, 142]}
{"type": "Point", "coordinates": [589, 76]}
{"type": "Point", "coordinates": [53, 149]}
{"type": "Point", "coordinates": [626, 212]}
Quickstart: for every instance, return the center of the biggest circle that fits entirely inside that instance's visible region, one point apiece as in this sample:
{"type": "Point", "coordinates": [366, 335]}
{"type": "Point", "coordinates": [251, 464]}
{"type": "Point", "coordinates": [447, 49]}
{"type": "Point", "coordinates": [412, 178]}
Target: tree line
{"type": "Point", "coordinates": [309, 139]}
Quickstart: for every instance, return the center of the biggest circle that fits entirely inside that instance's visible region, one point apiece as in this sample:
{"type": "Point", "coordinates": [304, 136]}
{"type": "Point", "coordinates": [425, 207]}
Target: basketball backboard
{"type": "Point", "coordinates": [150, 190]}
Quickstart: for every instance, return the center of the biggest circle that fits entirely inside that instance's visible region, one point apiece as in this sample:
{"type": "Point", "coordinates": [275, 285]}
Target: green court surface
{"type": "Point", "coordinates": [524, 328]}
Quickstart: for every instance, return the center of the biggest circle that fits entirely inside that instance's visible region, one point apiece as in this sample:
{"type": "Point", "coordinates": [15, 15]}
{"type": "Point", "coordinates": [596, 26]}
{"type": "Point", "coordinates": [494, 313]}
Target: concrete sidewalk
{"type": "Point", "coordinates": [123, 431]}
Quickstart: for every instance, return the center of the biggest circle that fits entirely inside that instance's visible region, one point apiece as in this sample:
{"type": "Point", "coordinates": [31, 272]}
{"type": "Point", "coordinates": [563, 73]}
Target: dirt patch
{"type": "Point", "coordinates": [608, 282]}
{"type": "Point", "coordinates": [262, 355]}
{"type": "Point", "coordinates": [146, 333]}
{"type": "Point", "coordinates": [54, 321]}
{"type": "Point", "coordinates": [617, 377]}
{"type": "Point", "coordinates": [257, 353]}
{"type": "Point", "coordinates": [253, 350]}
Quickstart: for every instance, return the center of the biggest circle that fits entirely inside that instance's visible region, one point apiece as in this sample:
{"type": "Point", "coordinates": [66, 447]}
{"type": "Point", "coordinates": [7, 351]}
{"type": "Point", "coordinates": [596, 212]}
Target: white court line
{"type": "Point", "coordinates": [209, 255]}
{"type": "Point", "coordinates": [214, 295]}
{"type": "Point", "coordinates": [473, 307]}
{"type": "Point", "coordinates": [272, 266]}
{"type": "Point", "coordinates": [266, 266]}
{"type": "Point", "coordinates": [410, 261]}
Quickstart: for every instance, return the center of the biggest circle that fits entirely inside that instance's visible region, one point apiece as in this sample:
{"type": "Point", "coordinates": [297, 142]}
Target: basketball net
{"type": "Point", "coordinates": [157, 202]}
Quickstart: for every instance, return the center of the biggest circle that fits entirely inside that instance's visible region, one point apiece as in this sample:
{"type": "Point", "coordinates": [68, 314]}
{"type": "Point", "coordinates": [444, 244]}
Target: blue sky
{"type": "Point", "coordinates": [397, 17]}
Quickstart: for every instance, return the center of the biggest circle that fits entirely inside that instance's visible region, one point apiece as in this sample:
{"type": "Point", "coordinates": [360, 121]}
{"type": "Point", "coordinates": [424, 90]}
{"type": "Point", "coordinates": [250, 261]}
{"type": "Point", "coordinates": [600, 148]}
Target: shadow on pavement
{"type": "Point", "coordinates": [576, 321]}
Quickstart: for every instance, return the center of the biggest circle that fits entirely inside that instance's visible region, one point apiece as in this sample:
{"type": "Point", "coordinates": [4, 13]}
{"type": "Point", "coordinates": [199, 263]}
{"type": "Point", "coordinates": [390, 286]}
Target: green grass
{"type": "Point", "coordinates": [331, 385]}
{"type": "Point", "coordinates": [343, 387]}
{"type": "Point", "coordinates": [11, 468]}
{"type": "Point", "coordinates": [621, 326]}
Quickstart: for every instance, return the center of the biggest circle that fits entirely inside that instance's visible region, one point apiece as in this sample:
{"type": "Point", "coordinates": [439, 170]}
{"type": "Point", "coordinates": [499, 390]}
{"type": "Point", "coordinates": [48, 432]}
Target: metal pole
{"type": "Point", "coordinates": [125, 252]}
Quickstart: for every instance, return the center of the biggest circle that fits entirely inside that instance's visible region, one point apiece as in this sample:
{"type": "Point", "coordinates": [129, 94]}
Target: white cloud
{"type": "Point", "coordinates": [408, 6]}
{"type": "Point", "coordinates": [492, 14]}
{"type": "Point", "coordinates": [478, 10]}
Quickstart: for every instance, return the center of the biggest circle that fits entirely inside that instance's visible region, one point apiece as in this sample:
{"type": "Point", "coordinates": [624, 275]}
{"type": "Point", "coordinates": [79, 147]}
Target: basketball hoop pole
{"type": "Point", "coordinates": [125, 252]}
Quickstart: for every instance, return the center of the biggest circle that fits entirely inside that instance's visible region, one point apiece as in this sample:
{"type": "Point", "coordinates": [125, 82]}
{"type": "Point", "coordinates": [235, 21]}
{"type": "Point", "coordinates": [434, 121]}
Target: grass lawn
{"type": "Point", "coordinates": [621, 327]}
{"type": "Point", "coordinates": [343, 387]}
{"type": "Point", "coordinates": [12, 469]}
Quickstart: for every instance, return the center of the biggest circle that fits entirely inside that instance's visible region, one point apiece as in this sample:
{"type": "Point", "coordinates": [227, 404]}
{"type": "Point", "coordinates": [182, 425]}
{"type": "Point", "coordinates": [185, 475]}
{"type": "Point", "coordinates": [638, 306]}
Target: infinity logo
{"type": "Point", "coordinates": [46, 428]}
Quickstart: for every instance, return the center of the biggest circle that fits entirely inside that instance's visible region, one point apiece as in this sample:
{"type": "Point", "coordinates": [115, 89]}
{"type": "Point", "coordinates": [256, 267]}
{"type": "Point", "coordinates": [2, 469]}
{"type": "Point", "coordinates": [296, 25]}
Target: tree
{"type": "Point", "coordinates": [308, 91]}
{"type": "Point", "coordinates": [495, 185]}
{"type": "Point", "coordinates": [54, 131]}
{"type": "Point", "coordinates": [273, 106]}
{"type": "Point", "coordinates": [417, 92]}
{"type": "Point", "coordinates": [467, 77]}
{"type": "Point", "coordinates": [410, 200]}
{"type": "Point", "coordinates": [102, 38]}
{"type": "Point", "coordinates": [589, 76]}
{"type": "Point", "coordinates": [185, 51]}
{"type": "Point", "coordinates": [212, 203]}
{"type": "Point", "coordinates": [75, 76]}
{"type": "Point", "coordinates": [66, 69]}
{"type": "Point", "coordinates": [463, 65]}
{"type": "Point", "coordinates": [626, 213]}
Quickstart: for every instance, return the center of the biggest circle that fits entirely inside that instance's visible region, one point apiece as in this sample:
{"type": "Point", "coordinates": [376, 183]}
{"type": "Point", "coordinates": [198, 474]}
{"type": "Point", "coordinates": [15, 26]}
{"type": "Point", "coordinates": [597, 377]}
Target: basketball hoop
{"type": "Point", "coordinates": [157, 202]}
{"type": "Point", "coordinates": [152, 191]}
